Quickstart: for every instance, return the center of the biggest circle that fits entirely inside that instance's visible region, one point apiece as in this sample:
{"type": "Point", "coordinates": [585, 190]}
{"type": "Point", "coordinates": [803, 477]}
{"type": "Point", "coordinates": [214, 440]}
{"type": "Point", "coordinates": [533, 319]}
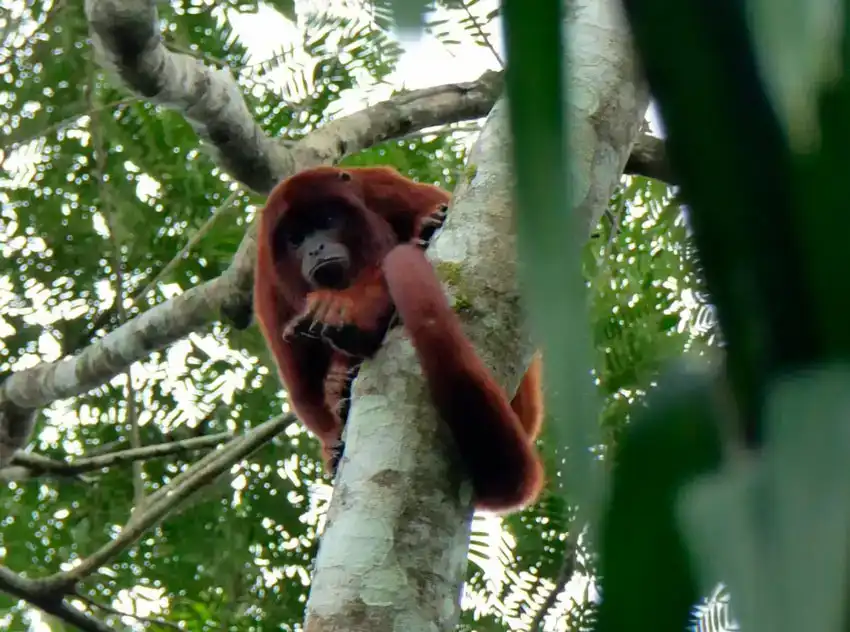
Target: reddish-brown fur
{"type": "Point", "coordinates": [495, 438]}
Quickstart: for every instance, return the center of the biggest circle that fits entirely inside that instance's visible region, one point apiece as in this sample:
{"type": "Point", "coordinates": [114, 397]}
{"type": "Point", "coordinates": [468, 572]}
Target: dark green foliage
{"type": "Point", "coordinates": [763, 193]}
{"type": "Point", "coordinates": [648, 577]}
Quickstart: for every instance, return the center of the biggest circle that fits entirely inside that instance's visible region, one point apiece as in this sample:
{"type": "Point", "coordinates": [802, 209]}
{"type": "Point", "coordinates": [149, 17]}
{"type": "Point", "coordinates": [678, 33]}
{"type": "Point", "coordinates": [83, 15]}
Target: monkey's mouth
{"type": "Point", "coordinates": [331, 274]}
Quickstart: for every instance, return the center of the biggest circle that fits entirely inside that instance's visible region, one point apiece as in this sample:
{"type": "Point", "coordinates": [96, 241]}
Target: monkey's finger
{"type": "Point", "coordinates": [334, 457]}
{"type": "Point", "coordinates": [314, 306]}
{"type": "Point", "coordinates": [436, 219]}
{"type": "Point", "coordinates": [296, 329]}
{"type": "Point", "coordinates": [304, 325]}
{"type": "Point", "coordinates": [342, 407]}
{"type": "Point", "coordinates": [440, 214]}
{"type": "Point", "coordinates": [306, 328]}
{"type": "Point", "coordinates": [343, 313]}
{"type": "Point", "coordinates": [315, 329]}
{"type": "Point", "coordinates": [335, 314]}
{"type": "Point", "coordinates": [328, 332]}
{"type": "Point", "coordinates": [323, 312]}
{"type": "Point", "coordinates": [319, 313]}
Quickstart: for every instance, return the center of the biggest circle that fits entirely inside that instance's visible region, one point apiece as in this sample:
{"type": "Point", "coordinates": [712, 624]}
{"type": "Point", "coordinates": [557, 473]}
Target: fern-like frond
{"type": "Point", "coordinates": [714, 614]}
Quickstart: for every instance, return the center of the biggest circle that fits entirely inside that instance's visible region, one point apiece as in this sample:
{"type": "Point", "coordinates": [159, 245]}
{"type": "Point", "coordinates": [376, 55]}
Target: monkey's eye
{"type": "Point", "coordinates": [289, 236]}
{"type": "Point", "coordinates": [326, 219]}
{"type": "Point", "coordinates": [295, 238]}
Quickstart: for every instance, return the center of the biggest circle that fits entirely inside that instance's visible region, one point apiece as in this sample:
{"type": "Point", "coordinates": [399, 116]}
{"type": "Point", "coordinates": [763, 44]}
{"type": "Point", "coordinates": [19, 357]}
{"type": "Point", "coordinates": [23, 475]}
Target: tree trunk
{"type": "Point", "coordinates": [393, 555]}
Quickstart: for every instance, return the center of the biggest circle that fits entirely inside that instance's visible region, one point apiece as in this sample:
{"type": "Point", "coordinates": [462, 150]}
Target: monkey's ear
{"type": "Point", "coordinates": [344, 176]}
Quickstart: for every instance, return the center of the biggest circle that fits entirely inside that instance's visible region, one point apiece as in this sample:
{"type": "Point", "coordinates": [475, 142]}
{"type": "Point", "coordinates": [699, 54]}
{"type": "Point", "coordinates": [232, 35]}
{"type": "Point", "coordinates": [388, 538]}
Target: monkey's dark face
{"type": "Point", "coordinates": [325, 259]}
{"type": "Point", "coordinates": [317, 241]}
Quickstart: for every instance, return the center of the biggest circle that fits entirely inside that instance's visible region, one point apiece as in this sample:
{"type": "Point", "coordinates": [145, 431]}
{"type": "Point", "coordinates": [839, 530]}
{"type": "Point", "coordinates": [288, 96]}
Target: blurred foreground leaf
{"type": "Point", "coordinates": [551, 236]}
{"type": "Point", "coordinates": [775, 529]}
{"type": "Point", "coordinates": [648, 578]}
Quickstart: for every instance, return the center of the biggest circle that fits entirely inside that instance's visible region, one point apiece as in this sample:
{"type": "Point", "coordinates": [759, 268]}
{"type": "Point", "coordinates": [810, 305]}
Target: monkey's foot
{"type": "Point", "coordinates": [333, 456]}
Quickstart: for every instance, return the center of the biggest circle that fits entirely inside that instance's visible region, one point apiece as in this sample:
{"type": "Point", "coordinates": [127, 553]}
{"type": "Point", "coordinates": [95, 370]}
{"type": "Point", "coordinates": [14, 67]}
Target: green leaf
{"type": "Point", "coordinates": [648, 578]}
{"type": "Point", "coordinates": [728, 150]}
{"type": "Point", "coordinates": [550, 236]}
{"type": "Point", "coordinates": [776, 527]}
{"type": "Point", "coordinates": [798, 46]}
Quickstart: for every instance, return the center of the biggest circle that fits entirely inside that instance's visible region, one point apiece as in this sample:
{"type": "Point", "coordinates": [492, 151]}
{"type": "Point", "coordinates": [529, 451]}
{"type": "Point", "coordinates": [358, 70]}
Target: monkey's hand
{"type": "Point", "coordinates": [353, 320]}
{"type": "Point", "coordinates": [429, 225]}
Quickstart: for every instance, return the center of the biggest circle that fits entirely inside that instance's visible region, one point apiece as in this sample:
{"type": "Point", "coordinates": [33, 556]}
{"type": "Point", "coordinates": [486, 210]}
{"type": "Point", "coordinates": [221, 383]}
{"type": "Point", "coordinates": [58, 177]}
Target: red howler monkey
{"type": "Point", "coordinates": [339, 251]}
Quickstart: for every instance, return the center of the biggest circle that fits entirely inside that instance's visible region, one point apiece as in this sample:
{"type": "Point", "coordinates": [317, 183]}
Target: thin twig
{"type": "Point", "coordinates": [106, 315]}
{"type": "Point", "coordinates": [106, 448]}
{"type": "Point", "coordinates": [193, 241]}
{"type": "Point", "coordinates": [13, 142]}
{"type": "Point", "coordinates": [565, 574]}
{"type": "Point", "coordinates": [482, 34]}
{"type": "Point", "coordinates": [100, 606]}
{"type": "Point", "coordinates": [110, 214]}
{"type": "Point", "coordinates": [156, 508]}
{"type": "Point", "coordinates": [38, 464]}
{"type": "Point", "coordinates": [183, 476]}
{"type": "Point", "coordinates": [469, 128]}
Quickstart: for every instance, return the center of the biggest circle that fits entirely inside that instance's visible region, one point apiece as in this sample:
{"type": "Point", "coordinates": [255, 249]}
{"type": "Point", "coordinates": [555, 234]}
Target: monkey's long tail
{"type": "Point", "coordinates": [505, 470]}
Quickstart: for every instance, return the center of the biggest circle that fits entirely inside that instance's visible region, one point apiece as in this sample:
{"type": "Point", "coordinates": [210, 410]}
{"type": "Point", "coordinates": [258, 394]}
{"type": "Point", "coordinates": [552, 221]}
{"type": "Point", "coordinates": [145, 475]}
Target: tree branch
{"type": "Point", "coordinates": [649, 159]}
{"type": "Point", "coordinates": [34, 592]}
{"type": "Point", "coordinates": [127, 41]}
{"type": "Point", "coordinates": [49, 592]}
{"type": "Point", "coordinates": [403, 113]}
{"type": "Point", "coordinates": [35, 465]}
